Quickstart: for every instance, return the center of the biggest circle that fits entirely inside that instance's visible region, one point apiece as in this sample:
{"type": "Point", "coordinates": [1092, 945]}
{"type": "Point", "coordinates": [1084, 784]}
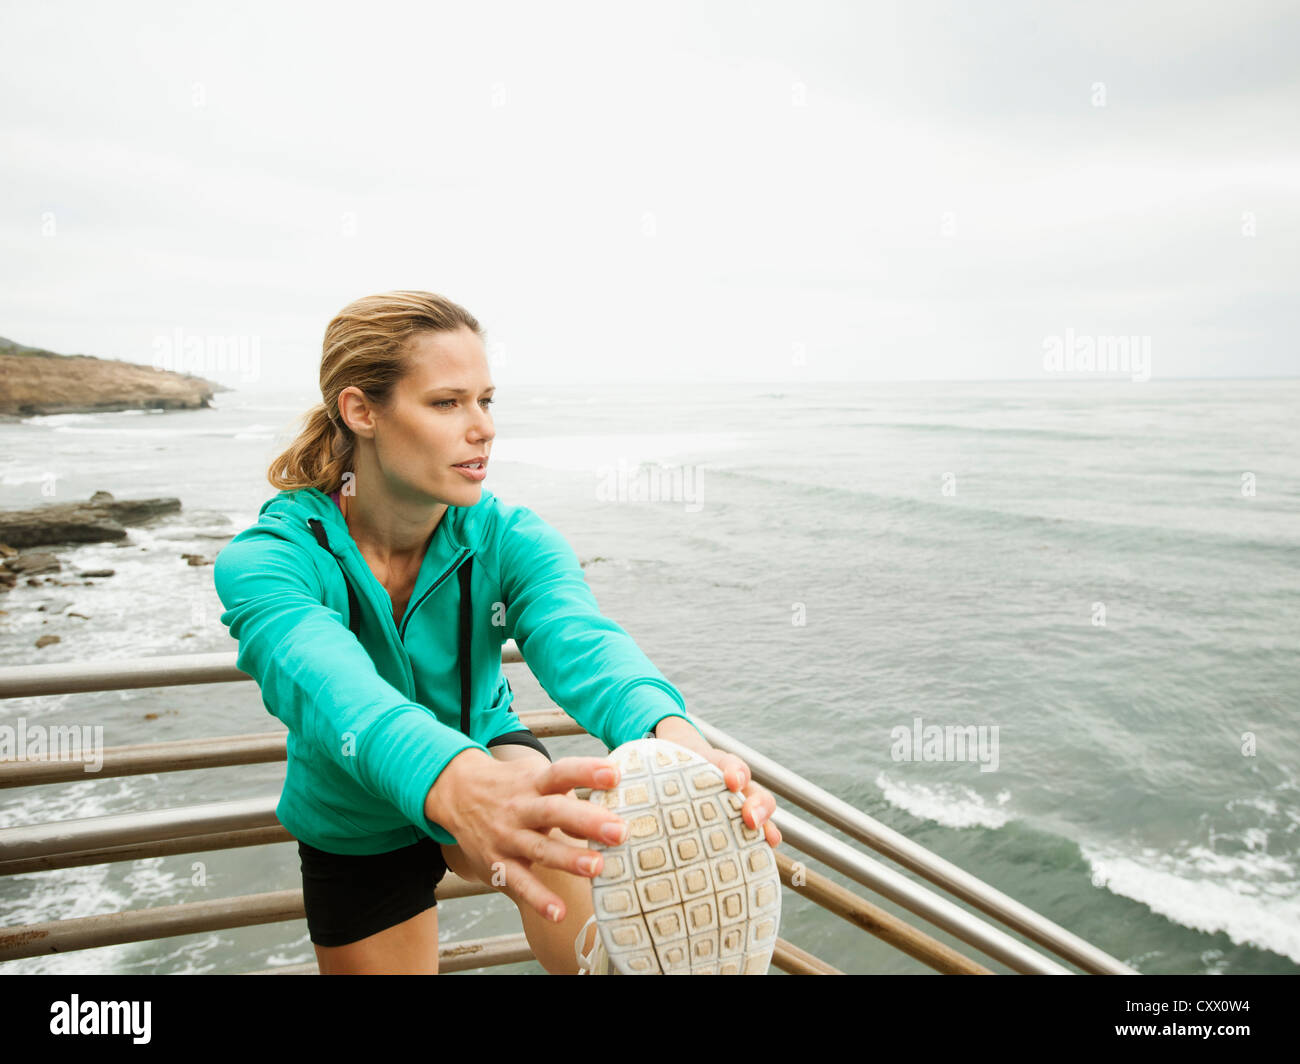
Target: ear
{"type": "Point", "coordinates": [356, 411]}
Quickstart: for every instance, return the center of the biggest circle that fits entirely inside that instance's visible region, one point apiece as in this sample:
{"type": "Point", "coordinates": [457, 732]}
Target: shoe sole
{"type": "Point", "coordinates": [692, 890]}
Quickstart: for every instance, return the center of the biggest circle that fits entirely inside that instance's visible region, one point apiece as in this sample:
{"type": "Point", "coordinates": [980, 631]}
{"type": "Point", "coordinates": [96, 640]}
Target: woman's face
{"type": "Point", "coordinates": [439, 416]}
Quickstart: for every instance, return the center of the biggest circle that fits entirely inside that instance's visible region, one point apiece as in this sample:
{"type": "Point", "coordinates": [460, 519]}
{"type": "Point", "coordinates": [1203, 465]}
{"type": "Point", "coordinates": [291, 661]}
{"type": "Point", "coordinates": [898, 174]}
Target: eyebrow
{"type": "Point", "coordinates": [458, 391]}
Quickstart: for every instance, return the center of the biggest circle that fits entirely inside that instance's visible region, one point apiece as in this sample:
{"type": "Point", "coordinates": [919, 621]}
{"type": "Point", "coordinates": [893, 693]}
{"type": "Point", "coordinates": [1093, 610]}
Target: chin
{"type": "Point", "coordinates": [467, 491]}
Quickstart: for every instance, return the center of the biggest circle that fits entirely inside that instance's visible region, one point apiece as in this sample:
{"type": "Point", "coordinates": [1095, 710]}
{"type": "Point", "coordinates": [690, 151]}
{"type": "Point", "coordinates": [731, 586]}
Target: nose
{"type": "Point", "coordinates": [484, 430]}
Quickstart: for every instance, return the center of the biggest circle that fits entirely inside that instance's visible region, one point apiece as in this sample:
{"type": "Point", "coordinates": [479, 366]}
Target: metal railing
{"type": "Point", "coordinates": [251, 822]}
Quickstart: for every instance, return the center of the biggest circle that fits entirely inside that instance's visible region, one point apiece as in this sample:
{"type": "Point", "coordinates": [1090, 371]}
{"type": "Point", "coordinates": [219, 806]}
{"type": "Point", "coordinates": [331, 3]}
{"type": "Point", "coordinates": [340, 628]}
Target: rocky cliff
{"type": "Point", "coordinates": [33, 381]}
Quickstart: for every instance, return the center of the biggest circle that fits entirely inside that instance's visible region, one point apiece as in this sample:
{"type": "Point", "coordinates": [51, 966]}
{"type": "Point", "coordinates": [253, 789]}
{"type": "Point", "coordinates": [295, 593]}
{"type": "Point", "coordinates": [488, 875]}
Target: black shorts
{"type": "Point", "coordinates": [352, 896]}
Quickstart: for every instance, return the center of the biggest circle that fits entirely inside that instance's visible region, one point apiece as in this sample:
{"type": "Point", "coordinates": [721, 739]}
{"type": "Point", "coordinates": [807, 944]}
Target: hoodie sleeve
{"type": "Point", "coordinates": [587, 664]}
{"type": "Point", "coordinates": [319, 680]}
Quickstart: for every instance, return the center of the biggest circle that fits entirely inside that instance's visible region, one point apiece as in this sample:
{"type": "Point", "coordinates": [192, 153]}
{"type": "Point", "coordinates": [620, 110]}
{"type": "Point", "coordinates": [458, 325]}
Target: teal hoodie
{"type": "Point", "coordinates": [374, 707]}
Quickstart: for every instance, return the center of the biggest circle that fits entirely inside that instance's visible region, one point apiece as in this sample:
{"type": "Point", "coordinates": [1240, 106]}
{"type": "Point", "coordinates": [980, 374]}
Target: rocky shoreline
{"type": "Point", "coordinates": [98, 520]}
{"type": "Point", "coordinates": [34, 381]}
{"type": "Point", "coordinates": [101, 519]}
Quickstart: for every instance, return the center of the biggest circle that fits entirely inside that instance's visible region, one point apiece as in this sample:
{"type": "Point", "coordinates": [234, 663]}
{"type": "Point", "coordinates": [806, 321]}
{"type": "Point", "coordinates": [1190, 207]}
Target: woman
{"type": "Point", "coordinates": [370, 603]}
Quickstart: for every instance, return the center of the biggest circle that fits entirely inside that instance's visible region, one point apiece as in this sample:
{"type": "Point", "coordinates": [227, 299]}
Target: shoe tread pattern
{"type": "Point", "coordinates": [692, 890]}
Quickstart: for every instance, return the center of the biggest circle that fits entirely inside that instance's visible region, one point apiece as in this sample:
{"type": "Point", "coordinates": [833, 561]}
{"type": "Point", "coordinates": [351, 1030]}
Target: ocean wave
{"type": "Point", "coordinates": [950, 804]}
{"type": "Point", "coordinates": [57, 420]}
{"type": "Point", "coordinates": [1249, 896]}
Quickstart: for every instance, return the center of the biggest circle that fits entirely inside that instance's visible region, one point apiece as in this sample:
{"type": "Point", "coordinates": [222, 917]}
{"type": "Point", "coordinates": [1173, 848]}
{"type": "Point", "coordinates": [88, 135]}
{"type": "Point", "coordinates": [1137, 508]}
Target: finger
{"type": "Point", "coordinates": [759, 806]}
{"type": "Point", "coordinates": [734, 771]}
{"type": "Point", "coordinates": [531, 891]}
{"type": "Point", "coordinates": [541, 849]}
{"type": "Point", "coordinates": [574, 817]}
{"type": "Point", "coordinates": [598, 773]}
{"type": "Point", "coordinates": [773, 834]}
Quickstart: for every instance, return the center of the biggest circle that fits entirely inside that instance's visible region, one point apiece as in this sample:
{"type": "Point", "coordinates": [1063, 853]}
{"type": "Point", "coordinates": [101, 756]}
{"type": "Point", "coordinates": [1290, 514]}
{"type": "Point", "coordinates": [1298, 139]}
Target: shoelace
{"type": "Point", "coordinates": [586, 961]}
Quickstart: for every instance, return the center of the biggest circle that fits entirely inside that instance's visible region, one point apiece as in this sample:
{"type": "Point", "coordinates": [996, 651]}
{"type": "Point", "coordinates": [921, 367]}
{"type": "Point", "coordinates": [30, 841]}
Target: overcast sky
{"type": "Point", "coordinates": [695, 191]}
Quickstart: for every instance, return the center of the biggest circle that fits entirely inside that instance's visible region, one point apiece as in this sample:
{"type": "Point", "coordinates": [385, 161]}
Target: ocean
{"type": "Point", "coordinates": [1099, 578]}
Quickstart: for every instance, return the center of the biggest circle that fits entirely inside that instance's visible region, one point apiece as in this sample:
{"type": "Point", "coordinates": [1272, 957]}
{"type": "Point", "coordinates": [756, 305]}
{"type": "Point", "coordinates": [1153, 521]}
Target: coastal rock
{"type": "Point", "coordinates": [33, 562]}
{"type": "Point", "coordinates": [46, 640]}
{"type": "Point", "coordinates": [34, 381]}
{"type": "Point", "coordinates": [100, 519]}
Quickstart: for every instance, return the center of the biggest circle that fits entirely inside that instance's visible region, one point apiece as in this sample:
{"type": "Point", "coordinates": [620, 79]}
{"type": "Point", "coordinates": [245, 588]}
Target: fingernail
{"type": "Point", "coordinates": [758, 818]}
{"type": "Point", "coordinates": [590, 865]}
{"type": "Point", "coordinates": [606, 777]}
{"type": "Point", "coordinates": [613, 832]}
{"type": "Point", "coordinates": [553, 913]}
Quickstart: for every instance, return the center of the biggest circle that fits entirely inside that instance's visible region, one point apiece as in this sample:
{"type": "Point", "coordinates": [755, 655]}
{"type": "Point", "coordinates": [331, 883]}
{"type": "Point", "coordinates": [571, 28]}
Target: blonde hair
{"type": "Point", "coordinates": [365, 347]}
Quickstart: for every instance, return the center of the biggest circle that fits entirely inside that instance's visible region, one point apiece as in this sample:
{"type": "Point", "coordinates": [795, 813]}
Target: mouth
{"type": "Point", "coordinates": [474, 469]}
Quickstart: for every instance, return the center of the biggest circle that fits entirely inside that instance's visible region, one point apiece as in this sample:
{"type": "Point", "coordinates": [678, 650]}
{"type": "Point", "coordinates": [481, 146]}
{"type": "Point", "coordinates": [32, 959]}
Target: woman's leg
{"type": "Point", "coordinates": [408, 948]}
{"type": "Point", "coordinates": [551, 943]}
{"type": "Point", "coordinates": [375, 913]}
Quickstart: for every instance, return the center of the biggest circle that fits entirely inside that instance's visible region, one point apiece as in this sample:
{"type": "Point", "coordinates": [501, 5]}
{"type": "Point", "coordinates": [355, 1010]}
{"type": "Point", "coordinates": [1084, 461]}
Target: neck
{"type": "Point", "coordinates": [390, 530]}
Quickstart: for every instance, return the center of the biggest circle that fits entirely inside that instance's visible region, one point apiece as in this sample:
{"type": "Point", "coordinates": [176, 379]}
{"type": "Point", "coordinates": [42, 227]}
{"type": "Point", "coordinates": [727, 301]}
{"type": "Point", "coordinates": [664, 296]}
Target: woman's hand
{"type": "Point", "coordinates": [502, 812]}
{"type": "Point", "coordinates": [759, 804]}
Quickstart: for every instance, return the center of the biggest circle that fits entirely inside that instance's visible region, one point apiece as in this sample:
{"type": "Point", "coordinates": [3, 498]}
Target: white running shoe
{"type": "Point", "coordinates": [692, 890]}
{"type": "Point", "coordinates": [595, 961]}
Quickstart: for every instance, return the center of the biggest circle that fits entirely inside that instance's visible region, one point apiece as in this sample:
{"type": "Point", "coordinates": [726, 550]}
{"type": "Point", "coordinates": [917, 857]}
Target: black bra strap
{"type": "Point", "coordinates": [466, 645]}
{"type": "Point", "coordinates": [466, 617]}
{"type": "Point", "coordinates": [354, 607]}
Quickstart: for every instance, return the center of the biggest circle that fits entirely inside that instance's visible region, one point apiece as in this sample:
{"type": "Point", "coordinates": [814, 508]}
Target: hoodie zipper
{"type": "Point", "coordinates": [413, 606]}
{"type": "Point", "coordinates": [400, 630]}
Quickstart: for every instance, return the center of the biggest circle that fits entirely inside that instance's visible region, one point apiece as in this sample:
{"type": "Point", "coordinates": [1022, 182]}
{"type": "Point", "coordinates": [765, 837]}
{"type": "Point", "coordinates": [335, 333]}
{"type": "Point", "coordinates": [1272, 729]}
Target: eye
{"type": "Point", "coordinates": [443, 402]}
{"type": "Point", "coordinates": [488, 402]}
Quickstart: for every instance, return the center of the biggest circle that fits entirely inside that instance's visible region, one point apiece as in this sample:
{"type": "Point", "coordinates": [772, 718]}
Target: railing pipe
{"type": "Point", "coordinates": [70, 677]}
{"type": "Point", "coordinates": [219, 840]}
{"type": "Point", "coordinates": [123, 829]}
{"type": "Point", "coordinates": [168, 921]}
{"type": "Point", "coordinates": [795, 961]}
{"type": "Point", "coordinates": [184, 755]}
{"type": "Point", "coordinates": [453, 957]}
